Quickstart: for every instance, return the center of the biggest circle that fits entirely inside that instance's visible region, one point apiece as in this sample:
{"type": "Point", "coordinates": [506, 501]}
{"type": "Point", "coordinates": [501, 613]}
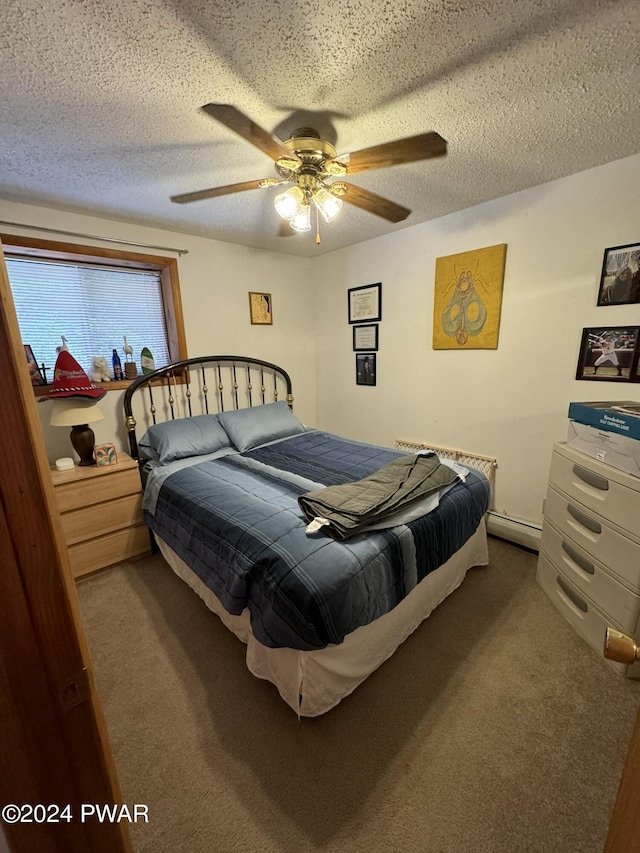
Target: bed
{"type": "Point", "coordinates": [228, 469]}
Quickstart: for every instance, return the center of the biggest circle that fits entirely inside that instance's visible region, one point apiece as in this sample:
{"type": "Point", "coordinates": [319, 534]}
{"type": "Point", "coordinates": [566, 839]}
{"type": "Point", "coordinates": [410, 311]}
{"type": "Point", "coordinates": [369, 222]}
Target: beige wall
{"type": "Point", "coordinates": [512, 402]}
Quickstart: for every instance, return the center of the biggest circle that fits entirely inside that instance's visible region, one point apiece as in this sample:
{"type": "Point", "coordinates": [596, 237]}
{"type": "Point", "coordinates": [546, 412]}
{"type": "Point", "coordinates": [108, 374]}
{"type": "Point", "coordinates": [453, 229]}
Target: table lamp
{"type": "Point", "coordinates": [78, 414]}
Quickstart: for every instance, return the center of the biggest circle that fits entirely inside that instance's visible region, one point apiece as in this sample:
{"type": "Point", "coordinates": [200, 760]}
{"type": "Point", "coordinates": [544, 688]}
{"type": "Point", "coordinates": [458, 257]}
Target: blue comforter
{"type": "Point", "coordinates": [235, 521]}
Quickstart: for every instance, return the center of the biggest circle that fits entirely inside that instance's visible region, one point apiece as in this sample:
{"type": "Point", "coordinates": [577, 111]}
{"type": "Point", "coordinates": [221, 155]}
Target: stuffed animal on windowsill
{"type": "Point", "coordinates": [100, 369]}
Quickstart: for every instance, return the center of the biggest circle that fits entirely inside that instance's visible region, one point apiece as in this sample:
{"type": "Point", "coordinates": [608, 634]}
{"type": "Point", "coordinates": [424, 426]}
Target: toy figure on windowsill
{"type": "Point", "coordinates": [130, 369]}
{"type": "Point", "coordinates": [100, 369]}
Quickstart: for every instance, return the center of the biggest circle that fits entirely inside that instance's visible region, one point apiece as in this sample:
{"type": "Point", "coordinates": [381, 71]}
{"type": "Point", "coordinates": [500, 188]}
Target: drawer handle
{"type": "Point", "coordinates": [584, 519]}
{"type": "Point", "coordinates": [584, 564]}
{"type": "Point", "coordinates": [572, 595]}
{"type": "Point", "coordinates": [592, 479]}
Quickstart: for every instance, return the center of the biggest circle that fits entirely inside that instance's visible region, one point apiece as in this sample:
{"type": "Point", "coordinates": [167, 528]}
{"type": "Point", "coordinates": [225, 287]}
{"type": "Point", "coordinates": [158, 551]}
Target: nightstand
{"type": "Point", "coordinates": [101, 512]}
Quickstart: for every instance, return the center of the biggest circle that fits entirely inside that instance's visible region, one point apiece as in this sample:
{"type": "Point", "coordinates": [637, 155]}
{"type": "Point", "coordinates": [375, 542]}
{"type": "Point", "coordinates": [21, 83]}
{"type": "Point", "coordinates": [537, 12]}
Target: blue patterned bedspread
{"type": "Point", "coordinates": [236, 522]}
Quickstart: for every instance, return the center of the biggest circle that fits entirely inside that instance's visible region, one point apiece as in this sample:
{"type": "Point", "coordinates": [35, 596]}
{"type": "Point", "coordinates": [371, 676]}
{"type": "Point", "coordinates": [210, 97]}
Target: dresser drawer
{"type": "Point", "coordinates": [590, 577]}
{"type": "Point", "coordinates": [612, 494]}
{"type": "Point", "coordinates": [81, 493]}
{"type": "Point", "coordinates": [92, 521]}
{"type": "Point", "coordinates": [591, 532]}
{"type": "Point", "coordinates": [587, 619]}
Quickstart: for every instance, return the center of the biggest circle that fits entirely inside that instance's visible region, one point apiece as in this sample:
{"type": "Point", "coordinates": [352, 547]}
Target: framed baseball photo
{"type": "Point", "coordinates": [609, 353]}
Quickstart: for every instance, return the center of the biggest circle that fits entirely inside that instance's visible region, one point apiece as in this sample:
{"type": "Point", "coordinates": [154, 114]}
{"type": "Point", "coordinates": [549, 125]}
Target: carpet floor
{"type": "Point", "coordinates": [493, 728]}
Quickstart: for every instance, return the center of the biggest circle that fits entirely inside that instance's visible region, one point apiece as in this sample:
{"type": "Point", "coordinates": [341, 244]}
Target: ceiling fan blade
{"type": "Point", "coordinates": [373, 203]}
{"type": "Point", "coordinates": [232, 118]}
{"type": "Point", "coordinates": [408, 150]}
{"type": "Point", "coordinates": [183, 198]}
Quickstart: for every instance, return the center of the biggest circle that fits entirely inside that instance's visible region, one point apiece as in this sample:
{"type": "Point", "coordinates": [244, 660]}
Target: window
{"type": "Point", "coordinates": [94, 297]}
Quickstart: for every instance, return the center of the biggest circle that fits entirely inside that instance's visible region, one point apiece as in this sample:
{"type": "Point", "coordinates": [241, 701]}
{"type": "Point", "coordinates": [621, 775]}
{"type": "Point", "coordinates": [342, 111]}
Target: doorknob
{"type": "Point", "coordinates": [620, 647]}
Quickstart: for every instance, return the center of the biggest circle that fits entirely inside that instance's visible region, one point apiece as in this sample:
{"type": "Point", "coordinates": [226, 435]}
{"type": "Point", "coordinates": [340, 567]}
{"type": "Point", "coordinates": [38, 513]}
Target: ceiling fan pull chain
{"type": "Point", "coordinates": [317, 228]}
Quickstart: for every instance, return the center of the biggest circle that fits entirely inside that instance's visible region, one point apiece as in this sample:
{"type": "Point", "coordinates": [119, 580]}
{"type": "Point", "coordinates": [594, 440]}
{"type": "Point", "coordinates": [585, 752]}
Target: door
{"type": "Point", "coordinates": [53, 743]}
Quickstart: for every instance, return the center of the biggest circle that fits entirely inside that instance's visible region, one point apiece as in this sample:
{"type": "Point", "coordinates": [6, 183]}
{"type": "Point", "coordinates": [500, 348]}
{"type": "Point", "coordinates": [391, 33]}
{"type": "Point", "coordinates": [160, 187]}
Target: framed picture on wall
{"type": "Point", "coordinates": [365, 303]}
{"type": "Point", "coordinates": [467, 299]}
{"type": "Point", "coordinates": [609, 353]}
{"type": "Point", "coordinates": [620, 277]}
{"type": "Point", "coordinates": [365, 337]}
{"type": "Point", "coordinates": [260, 309]}
{"type": "Point", "coordinates": [366, 368]}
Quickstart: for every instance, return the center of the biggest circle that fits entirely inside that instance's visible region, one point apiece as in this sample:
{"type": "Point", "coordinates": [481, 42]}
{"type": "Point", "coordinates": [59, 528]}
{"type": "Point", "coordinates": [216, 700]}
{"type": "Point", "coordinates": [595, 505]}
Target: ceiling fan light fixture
{"type": "Point", "coordinates": [289, 203]}
{"type": "Point", "coordinates": [335, 168]}
{"type": "Point", "coordinates": [289, 164]}
{"type": "Point", "coordinates": [302, 220]}
{"type": "Point", "coordinates": [327, 203]}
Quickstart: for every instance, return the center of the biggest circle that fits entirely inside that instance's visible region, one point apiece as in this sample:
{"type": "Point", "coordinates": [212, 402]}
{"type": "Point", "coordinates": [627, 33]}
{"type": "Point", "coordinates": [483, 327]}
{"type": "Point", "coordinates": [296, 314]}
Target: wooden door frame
{"type": "Point", "coordinates": [624, 829]}
{"type": "Point", "coordinates": [53, 741]}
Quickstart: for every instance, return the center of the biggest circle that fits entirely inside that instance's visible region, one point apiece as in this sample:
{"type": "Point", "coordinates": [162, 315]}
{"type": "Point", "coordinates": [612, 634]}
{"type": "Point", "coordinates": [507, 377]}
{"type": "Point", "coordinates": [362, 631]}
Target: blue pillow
{"type": "Point", "coordinates": [184, 437]}
{"type": "Point", "coordinates": [248, 428]}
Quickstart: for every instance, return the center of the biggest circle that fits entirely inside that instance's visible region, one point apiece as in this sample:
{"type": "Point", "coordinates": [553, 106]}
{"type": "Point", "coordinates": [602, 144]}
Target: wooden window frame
{"type": "Point", "coordinates": [34, 247]}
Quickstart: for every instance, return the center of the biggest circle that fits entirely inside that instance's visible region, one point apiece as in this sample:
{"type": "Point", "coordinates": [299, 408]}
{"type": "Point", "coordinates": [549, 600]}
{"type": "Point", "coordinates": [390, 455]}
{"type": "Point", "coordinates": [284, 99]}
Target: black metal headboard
{"type": "Point", "coordinates": [204, 385]}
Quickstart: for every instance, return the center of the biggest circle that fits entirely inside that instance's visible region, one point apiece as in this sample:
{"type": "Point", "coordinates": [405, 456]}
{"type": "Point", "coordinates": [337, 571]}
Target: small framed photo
{"type": "Point", "coordinates": [620, 277]}
{"type": "Point", "coordinates": [105, 454]}
{"type": "Point", "coordinates": [609, 353]}
{"type": "Point", "coordinates": [34, 371]}
{"type": "Point", "coordinates": [365, 337]}
{"type": "Point", "coordinates": [366, 368]}
{"type": "Point", "coordinates": [260, 309]}
{"type": "Point", "coordinates": [365, 303]}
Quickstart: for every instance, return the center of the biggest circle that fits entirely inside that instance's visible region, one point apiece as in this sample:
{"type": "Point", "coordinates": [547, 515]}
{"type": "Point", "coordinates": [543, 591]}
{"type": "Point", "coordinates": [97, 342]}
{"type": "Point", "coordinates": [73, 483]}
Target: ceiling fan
{"type": "Point", "coordinates": [313, 172]}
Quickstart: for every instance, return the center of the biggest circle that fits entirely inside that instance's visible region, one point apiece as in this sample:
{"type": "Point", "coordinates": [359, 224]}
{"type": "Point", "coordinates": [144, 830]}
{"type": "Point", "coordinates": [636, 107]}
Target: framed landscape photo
{"type": "Point", "coordinates": [366, 368]}
{"type": "Point", "coordinates": [260, 309]}
{"type": "Point", "coordinates": [365, 338]}
{"type": "Point", "coordinates": [365, 303]}
{"type": "Point", "coordinates": [609, 353]}
{"type": "Point", "coordinates": [620, 277]}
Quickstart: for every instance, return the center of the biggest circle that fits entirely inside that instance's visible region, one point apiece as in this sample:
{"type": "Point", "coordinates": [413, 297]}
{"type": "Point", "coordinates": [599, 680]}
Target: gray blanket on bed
{"type": "Point", "coordinates": [344, 510]}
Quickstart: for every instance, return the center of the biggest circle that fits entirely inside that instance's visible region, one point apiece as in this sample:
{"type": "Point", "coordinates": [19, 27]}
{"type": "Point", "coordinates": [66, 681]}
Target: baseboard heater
{"type": "Point", "coordinates": [514, 530]}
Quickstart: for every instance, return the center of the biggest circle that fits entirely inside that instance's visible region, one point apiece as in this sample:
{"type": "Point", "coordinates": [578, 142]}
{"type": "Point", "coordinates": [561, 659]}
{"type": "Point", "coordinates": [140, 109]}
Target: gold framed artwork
{"type": "Point", "coordinates": [260, 309]}
{"type": "Point", "coordinates": [468, 299]}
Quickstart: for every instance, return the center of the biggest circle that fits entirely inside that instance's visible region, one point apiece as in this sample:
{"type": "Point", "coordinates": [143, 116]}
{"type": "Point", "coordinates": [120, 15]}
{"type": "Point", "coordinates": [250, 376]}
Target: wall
{"type": "Point", "coordinates": [512, 402]}
{"type": "Point", "coordinates": [215, 279]}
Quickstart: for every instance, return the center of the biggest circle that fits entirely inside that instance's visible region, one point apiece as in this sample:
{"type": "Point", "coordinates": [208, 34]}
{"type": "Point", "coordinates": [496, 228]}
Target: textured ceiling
{"type": "Point", "coordinates": [99, 102]}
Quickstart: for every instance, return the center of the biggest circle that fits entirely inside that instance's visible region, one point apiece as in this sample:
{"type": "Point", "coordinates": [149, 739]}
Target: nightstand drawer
{"type": "Point", "coordinates": [590, 577]}
{"type": "Point", "coordinates": [597, 537]}
{"type": "Point", "coordinates": [81, 493]}
{"type": "Point", "coordinates": [612, 494]}
{"type": "Point", "coordinates": [106, 550]}
{"type": "Point", "coordinates": [92, 521]}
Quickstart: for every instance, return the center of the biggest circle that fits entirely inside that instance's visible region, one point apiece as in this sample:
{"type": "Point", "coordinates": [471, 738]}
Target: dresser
{"type": "Point", "coordinates": [589, 562]}
{"type": "Point", "coordinates": [101, 513]}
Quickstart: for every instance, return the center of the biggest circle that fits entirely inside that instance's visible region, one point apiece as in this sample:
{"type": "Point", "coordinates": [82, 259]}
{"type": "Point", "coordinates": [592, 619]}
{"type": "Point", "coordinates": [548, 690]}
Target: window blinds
{"type": "Point", "coordinates": [94, 307]}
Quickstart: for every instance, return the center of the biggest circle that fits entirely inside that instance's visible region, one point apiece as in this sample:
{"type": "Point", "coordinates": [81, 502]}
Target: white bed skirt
{"type": "Point", "coordinates": [315, 681]}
